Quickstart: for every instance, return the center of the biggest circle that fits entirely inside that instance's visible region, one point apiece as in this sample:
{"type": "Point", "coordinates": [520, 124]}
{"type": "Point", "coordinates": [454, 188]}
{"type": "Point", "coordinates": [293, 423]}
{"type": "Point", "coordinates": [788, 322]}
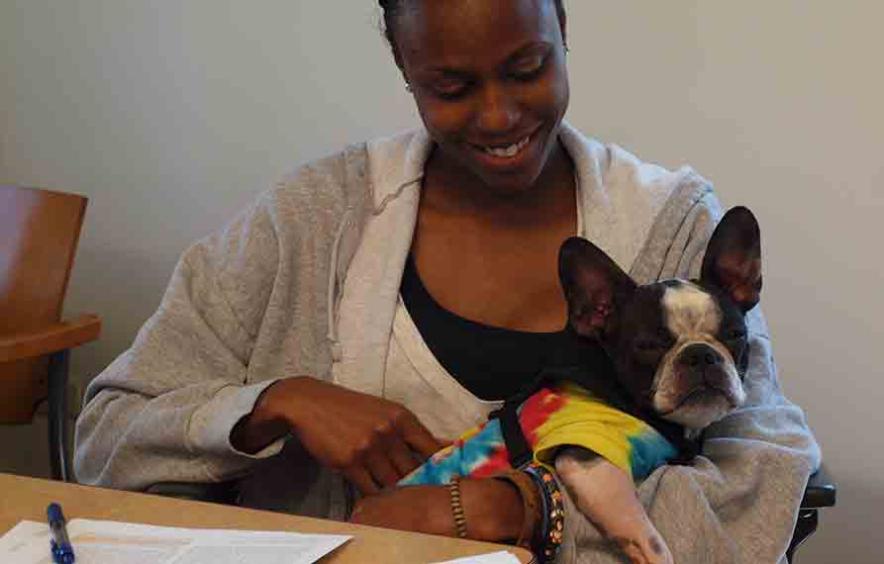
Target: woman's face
{"type": "Point", "coordinates": [490, 83]}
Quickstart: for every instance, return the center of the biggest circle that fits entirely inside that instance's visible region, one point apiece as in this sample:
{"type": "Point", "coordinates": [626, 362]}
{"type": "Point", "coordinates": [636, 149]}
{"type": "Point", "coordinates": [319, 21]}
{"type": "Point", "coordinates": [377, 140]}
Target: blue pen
{"type": "Point", "coordinates": [62, 551]}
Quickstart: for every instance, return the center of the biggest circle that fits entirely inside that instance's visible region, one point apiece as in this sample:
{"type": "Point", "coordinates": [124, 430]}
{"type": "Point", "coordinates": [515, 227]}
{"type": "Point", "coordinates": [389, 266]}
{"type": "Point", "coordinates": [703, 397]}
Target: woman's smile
{"type": "Point", "coordinates": [507, 157]}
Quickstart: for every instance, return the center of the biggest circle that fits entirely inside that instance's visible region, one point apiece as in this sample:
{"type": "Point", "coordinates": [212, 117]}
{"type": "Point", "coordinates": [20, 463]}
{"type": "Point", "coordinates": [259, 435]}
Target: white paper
{"type": "Point", "coordinates": [110, 542]}
{"type": "Point", "coordinates": [502, 557]}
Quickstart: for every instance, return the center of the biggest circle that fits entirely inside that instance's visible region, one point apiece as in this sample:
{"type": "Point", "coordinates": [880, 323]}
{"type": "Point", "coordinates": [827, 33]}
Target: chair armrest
{"type": "Point", "coordinates": [53, 338]}
{"type": "Point", "coordinates": [820, 490]}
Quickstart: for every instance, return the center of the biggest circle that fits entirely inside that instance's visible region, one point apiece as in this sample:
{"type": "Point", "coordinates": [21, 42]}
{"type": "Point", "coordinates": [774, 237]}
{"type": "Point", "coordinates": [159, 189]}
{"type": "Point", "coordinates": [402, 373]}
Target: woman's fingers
{"type": "Point", "coordinates": [373, 441]}
{"type": "Point", "coordinates": [403, 459]}
{"type": "Point", "coordinates": [417, 437]}
{"type": "Point", "coordinates": [361, 478]}
{"type": "Point", "coordinates": [381, 468]}
{"type": "Point", "coordinates": [444, 443]}
{"type": "Point", "coordinates": [390, 458]}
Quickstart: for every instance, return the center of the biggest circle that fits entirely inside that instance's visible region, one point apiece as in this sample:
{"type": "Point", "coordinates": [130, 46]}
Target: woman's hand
{"type": "Point", "coordinates": [493, 510]}
{"type": "Point", "coordinates": [372, 441]}
{"type": "Point", "coordinates": [424, 509]}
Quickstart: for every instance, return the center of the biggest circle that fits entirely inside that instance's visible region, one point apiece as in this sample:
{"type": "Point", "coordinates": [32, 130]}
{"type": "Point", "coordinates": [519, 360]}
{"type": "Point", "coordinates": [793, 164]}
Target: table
{"type": "Point", "coordinates": [27, 498]}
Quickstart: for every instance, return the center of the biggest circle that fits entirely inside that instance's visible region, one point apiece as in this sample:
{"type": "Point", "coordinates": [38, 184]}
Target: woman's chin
{"type": "Point", "coordinates": [500, 176]}
{"type": "Point", "coordinates": [510, 188]}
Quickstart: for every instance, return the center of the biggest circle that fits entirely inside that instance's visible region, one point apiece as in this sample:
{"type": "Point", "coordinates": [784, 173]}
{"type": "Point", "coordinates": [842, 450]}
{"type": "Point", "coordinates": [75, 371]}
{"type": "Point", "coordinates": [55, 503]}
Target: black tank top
{"type": "Point", "coordinates": [493, 363]}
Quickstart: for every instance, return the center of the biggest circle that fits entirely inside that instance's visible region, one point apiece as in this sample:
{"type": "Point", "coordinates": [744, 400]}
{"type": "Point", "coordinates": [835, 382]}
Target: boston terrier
{"type": "Point", "coordinates": [679, 350]}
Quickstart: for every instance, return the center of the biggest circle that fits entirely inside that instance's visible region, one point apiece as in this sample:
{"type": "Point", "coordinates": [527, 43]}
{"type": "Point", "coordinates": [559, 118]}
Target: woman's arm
{"type": "Point", "coordinates": [178, 405]}
{"type": "Point", "coordinates": [164, 409]}
{"type": "Point", "coordinates": [493, 510]}
{"type": "Point", "coordinates": [372, 441]}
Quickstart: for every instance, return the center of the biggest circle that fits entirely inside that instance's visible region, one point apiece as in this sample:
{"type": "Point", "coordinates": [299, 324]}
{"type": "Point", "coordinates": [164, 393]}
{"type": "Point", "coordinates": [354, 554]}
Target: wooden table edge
{"type": "Point", "coordinates": [26, 498]}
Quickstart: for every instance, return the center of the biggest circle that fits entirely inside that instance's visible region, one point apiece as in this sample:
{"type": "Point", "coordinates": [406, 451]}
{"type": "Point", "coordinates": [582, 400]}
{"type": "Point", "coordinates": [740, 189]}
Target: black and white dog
{"type": "Point", "coordinates": [679, 348]}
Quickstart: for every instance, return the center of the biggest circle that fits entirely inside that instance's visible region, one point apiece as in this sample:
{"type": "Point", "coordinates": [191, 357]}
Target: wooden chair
{"type": "Point", "coordinates": [39, 230]}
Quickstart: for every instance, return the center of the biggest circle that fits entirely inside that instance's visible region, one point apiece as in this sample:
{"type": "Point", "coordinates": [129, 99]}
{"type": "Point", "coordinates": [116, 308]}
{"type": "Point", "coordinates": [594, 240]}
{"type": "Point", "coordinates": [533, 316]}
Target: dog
{"type": "Point", "coordinates": [679, 350]}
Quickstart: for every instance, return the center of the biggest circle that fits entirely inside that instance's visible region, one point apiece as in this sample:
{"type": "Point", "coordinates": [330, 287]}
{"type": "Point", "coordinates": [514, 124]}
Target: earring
{"type": "Point", "coordinates": [408, 88]}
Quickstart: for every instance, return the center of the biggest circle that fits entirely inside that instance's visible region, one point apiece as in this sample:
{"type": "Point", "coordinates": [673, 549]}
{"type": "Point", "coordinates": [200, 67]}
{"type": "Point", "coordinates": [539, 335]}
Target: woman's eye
{"type": "Point", "coordinates": [529, 68]}
{"type": "Point", "coordinates": [450, 88]}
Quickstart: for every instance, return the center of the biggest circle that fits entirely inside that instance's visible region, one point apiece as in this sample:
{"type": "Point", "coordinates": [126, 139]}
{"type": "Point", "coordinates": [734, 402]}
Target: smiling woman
{"type": "Point", "coordinates": [380, 301]}
{"type": "Point", "coordinates": [494, 112]}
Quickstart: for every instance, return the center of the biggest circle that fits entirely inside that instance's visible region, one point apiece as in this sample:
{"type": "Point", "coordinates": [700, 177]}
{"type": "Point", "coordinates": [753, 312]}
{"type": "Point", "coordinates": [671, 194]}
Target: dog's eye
{"type": "Point", "coordinates": [646, 345]}
{"type": "Point", "coordinates": [736, 334]}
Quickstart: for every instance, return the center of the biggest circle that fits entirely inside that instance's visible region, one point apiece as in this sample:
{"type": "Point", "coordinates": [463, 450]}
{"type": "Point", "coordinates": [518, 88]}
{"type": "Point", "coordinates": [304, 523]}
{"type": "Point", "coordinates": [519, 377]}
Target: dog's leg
{"type": "Point", "coordinates": [607, 497]}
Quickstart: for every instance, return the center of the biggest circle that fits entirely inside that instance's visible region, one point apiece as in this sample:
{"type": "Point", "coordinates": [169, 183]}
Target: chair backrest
{"type": "Point", "coordinates": [39, 231]}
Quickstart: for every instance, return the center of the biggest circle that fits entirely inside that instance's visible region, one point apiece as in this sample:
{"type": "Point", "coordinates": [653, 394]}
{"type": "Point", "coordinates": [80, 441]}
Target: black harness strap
{"type": "Point", "coordinates": [518, 450]}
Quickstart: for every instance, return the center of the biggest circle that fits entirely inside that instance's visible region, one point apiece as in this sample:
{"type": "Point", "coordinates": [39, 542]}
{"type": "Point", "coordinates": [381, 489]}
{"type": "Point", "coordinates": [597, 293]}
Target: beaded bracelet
{"type": "Point", "coordinates": [532, 504]}
{"type": "Point", "coordinates": [460, 521]}
{"type": "Point", "coordinates": [548, 536]}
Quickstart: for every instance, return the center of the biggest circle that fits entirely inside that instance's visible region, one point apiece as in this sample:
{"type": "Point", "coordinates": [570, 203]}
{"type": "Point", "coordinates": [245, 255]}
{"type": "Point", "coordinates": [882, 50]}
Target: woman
{"type": "Point", "coordinates": [292, 352]}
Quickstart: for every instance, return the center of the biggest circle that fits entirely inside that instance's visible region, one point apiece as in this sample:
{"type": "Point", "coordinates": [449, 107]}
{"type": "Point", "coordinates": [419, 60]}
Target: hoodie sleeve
{"type": "Point", "coordinates": [740, 499]}
{"type": "Point", "coordinates": [164, 409]}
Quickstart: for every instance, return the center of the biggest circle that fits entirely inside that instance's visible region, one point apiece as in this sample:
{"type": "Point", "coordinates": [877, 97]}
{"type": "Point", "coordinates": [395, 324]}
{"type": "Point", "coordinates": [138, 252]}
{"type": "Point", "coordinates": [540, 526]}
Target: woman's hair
{"type": "Point", "coordinates": [391, 11]}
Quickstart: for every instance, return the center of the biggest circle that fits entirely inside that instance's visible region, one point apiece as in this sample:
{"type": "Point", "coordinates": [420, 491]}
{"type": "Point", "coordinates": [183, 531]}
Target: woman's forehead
{"type": "Point", "coordinates": [455, 32]}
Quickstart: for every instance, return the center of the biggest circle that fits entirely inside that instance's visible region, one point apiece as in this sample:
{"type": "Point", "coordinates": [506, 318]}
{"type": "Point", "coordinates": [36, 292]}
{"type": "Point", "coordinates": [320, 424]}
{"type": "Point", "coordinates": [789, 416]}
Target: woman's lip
{"type": "Point", "coordinates": [504, 145]}
{"type": "Point", "coordinates": [507, 163]}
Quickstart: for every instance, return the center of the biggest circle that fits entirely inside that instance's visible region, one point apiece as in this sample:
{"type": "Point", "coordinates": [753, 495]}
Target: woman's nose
{"type": "Point", "coordinates": [499, 111]}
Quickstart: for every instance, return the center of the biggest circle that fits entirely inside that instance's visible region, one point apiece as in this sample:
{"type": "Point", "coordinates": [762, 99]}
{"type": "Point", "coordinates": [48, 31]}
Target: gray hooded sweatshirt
{"type": "Point", "coordinates": [305, 282]}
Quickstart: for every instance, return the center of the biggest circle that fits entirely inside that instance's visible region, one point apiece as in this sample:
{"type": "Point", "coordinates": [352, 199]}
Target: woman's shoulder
{"type": "Point", "coordinates": [353, 178]}
{"type": "Point", "coordinates": [322, 185]}
{"type": "Point", "coordinates": [308, 201]}
{"type": "Point", "coordinates": [315, 197]}
{"type": "Point", "coordinates": [622, 175]}
{"type": "Point", "coordinates": [631, 203]}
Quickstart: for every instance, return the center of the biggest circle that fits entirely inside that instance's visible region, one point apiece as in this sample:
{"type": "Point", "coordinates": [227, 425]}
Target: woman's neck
{"type": "Point", "coordinates": [449, 188]}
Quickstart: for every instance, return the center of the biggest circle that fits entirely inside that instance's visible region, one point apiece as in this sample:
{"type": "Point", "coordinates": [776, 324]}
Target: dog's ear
{"type": "Point", "coordinates": [595, 287]}
{"type": "Point", "coordinates": [733, 258]}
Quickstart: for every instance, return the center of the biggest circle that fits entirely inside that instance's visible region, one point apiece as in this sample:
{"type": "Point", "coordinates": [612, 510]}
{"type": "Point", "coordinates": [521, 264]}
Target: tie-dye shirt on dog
{"type": "Point", "coordinates": [551, 418]}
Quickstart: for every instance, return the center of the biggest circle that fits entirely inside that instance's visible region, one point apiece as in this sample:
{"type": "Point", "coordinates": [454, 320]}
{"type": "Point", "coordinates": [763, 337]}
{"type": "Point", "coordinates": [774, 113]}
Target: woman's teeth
{"type": "Point", "coordinates": [507, 152]}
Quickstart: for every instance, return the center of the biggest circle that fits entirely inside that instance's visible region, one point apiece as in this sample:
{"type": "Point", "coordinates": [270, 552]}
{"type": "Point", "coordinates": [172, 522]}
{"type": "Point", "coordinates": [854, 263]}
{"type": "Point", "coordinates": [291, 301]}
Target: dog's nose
{"type": "Point", "coordinates": [701, 355]}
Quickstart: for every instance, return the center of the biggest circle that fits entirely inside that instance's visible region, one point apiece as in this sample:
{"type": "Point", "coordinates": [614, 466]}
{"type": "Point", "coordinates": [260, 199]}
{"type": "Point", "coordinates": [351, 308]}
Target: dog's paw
{"type": "Point", "coordinates": [647, 549]}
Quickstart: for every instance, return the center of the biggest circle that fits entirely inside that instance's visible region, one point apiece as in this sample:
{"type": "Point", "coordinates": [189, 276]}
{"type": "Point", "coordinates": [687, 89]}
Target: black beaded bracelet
{"type": "Point", "coordinates": [549, 535]}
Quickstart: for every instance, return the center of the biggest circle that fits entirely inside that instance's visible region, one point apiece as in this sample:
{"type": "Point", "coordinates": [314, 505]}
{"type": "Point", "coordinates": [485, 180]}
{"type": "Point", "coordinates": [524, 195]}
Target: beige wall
{"type": "Point", "coordinates": [170, 115]}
